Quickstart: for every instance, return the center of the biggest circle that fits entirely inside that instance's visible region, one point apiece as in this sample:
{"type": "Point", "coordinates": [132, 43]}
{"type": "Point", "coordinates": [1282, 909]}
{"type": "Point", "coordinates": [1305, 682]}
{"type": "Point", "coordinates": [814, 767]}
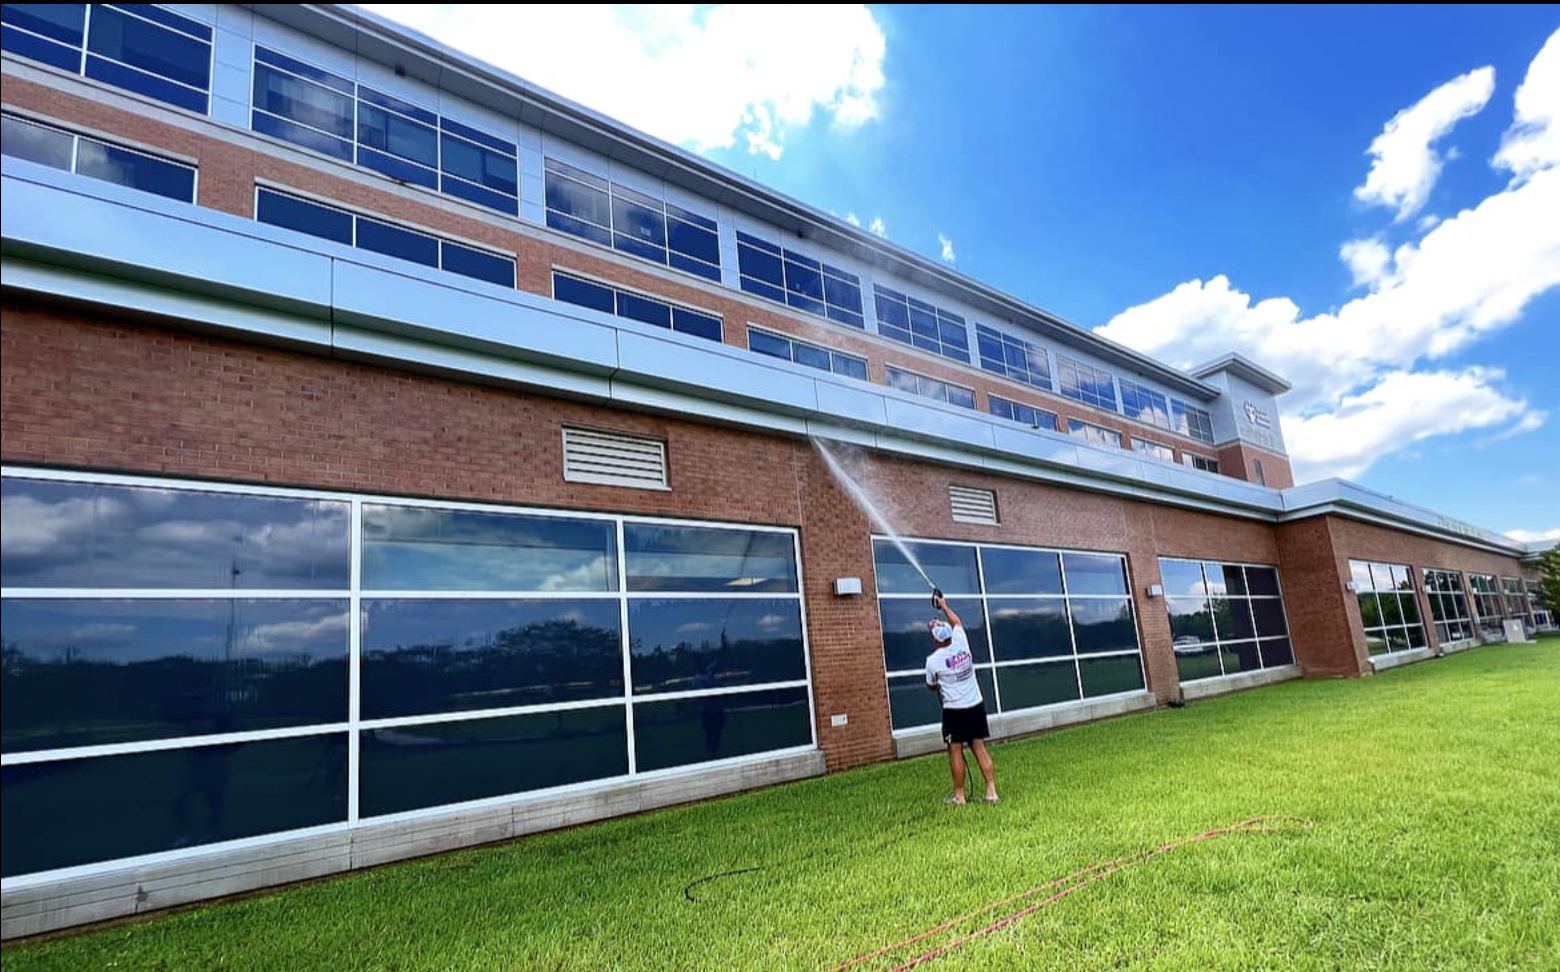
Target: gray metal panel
{"type": "Point", "coordinates": [270, 327]}
{"type": "Point", "coordinates": [669, 400]}
{"type": "Point", "coordinates": [963, 426]}
{"type": "Point", "coordinates": [425, 304]}
{"type": "Point", "coordinates": [410, 353]}
{"type": "Point", "coordinates": [49, 218]}
{"type": "Point", "coordinates": [676, 362]}
{"type": "Point", "coordinates": [841, 401]}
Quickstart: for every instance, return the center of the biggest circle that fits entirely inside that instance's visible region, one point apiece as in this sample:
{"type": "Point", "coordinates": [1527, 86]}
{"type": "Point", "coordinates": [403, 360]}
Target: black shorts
{"type": "Point", "coordinates": [964, 725]}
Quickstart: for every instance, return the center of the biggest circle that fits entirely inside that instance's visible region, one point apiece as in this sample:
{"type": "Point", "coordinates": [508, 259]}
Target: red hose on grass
{"type": "Point", "coordinates": [1075, 881]}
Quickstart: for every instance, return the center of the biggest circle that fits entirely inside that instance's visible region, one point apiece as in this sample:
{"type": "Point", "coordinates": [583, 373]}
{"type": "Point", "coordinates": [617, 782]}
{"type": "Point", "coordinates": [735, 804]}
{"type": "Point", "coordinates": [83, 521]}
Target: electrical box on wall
{"type": "Point", "coordinates": [847, 586]}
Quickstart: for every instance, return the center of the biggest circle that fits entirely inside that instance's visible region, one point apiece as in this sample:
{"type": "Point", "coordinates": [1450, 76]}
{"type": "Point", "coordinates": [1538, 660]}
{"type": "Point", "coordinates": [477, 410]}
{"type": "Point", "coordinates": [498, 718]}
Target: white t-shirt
{"type": "Point", "coordinates": [952, 670]}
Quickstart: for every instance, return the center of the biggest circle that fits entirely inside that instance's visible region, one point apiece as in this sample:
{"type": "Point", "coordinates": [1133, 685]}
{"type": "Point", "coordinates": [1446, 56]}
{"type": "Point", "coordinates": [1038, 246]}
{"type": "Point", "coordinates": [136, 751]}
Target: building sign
{"type": "Point", "coordinates": [1257, 416]}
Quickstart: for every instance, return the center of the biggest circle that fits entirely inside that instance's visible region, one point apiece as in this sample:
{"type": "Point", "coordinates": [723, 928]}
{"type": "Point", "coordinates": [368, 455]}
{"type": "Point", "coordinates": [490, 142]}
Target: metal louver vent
{"type": "Point", "coordinates": [613, 459]}
{"type": "Point", "coordinates": [973, 505]}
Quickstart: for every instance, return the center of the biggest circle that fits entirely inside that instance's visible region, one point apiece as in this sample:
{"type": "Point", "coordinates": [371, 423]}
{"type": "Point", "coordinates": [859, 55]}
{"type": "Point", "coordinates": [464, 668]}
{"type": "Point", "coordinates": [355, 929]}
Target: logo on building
{"type": "Point", "coordinates": [1257, 416]}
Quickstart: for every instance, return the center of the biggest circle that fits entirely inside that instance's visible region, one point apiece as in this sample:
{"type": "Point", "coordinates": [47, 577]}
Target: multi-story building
{"type": "Point", "coordinates": [399, 457]}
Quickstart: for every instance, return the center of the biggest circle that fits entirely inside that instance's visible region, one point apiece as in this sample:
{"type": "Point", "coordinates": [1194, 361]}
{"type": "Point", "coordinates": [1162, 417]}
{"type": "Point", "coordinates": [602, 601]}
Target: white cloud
{"type": "Point", "coordinates": [1533, 141]}
{"type": "Point", "coordinates": [947, 248]}
{"type": "Point", "coordinates": [703, 77]}
{"type": "Point", "coordinates": [1369, 260]}
{"type": "Point", "coordinates": [1399, 409]}
{"type": "Point", "coordinates": [1357, 395]}
{"type": "Point", "coordinates": [1406, 164]}
{"type": "Point", "coordinates": [1533, 536]}
{"type": "Point", "coordinates": [853, 219]}
{"type": "Point", "coordinates": [879, 227]}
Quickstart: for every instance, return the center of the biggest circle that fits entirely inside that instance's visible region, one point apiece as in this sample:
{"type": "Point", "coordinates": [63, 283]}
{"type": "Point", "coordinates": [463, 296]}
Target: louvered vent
{"type": "Point", "coordinates": [973, 505]}
{"type": "Point", "coordinates": [613, 459]}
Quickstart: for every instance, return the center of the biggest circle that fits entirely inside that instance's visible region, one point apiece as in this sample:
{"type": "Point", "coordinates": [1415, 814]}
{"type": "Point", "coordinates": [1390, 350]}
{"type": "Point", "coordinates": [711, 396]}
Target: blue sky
{"type": "Point", "coordinates": [1366, 200]}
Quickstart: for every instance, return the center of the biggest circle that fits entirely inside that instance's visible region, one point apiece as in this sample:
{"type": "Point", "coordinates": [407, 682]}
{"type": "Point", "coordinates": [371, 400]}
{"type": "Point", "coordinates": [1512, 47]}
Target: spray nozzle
{"type": "Point", "coordinates": [937, 596]}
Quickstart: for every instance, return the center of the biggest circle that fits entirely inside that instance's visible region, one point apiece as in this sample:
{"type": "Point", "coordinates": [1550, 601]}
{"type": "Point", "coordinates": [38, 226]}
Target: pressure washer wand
{"type": "Point", "coordinates": [937, 596]}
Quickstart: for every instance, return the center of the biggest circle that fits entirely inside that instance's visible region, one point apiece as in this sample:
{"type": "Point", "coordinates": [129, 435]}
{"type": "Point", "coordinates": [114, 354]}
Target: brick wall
{"type": "Point", "coordinates": [1239, 459]}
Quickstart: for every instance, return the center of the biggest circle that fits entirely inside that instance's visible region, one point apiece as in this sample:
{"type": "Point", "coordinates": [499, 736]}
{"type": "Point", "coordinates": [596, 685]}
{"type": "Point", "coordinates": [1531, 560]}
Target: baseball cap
{"type": "Point", "coordinates": [942, 631]}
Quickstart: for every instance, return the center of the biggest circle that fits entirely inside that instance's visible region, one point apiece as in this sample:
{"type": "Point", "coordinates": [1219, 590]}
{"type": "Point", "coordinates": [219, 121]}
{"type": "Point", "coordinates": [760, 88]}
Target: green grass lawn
{"type": "Point", "coordinates": [1434, 791]}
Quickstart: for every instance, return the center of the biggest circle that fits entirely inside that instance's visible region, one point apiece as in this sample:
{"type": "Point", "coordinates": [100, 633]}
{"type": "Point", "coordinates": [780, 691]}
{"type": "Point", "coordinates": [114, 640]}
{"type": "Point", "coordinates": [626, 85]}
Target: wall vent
{"type": "Point", "coordinates": [973, 505]}
{"type": "Point", "coordinates": [613, 459]}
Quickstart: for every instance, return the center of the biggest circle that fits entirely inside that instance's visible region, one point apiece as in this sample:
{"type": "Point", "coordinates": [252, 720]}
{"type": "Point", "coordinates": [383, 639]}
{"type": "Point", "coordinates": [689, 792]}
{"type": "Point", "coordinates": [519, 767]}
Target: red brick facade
{"type": "Point", "coordinates": [85, 391]}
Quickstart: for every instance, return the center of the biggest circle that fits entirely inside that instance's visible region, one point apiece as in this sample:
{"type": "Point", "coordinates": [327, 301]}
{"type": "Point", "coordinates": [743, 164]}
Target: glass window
{"type": "Point", "coordinates": [69, 534]}
{"type": "Point", "coordinates": [290, 212]}
{"type": "Point", "coordinates": [1102, 625]}
{"type": "Point", "coordinates": [695, 730]}
{"type": "Point", "coordinates": [798, 280]}
{"type": "Point", "coordinates": [690, 644]}
{"type": "Point", "coordinates": [585, 293]}
{"type": "Point", "coordinates": [1012, 357]}
{"type": "Point", "coordinates": [1192, 421]}
{"type": "Point", "coordinates": [1094, 573]}
{"type": "Point", "coordinates": [1086, 384]}
{"type": "Point", "coordinates": [1225, 605]}
{"type": "Point", "coordinates": [635, 307]}
{"type": "Point", "coordinates": [1108, 676]}
{"type": "Point", "coordinates": [811, 355]}
{"type": "Point", "coordinates": [411, 767]}
{"type": "Point", "coordinates": [96, 159]}
{"type": "Point", "coordinates": [1182, 577]}
{"type": "Point", "coordinates": [423, 656]}
{"type": "Point", "coordinates": [306, 97]}
{"type": "Point", "coordinates": [150, 51]}
{"type": "Point", "coordinates": [1154, 450]}
{"type": "Point", "coordinates": [1390, 619]}
{"type": "Point", "coordinates": [605, 212]}
{"type": "Point", "coordinates": [1094, 434]}
{"type": "Point", "coordinates": [930, 328]}
{"type": "Point", "coordinates": [1029, 686]}
{"type": "Point", "coordinates": [1026, 628]}
{"type": "Point", "coordinates": [696, 559]}
{"type": "Point", "coordinates": [394, 241]}
{"type": "Point", "coordinates": [87, 672]}
{"type": "Point", "coordinates": [1017, 412]}
{"type": "Point", "coordinates": [477, 264]}
{"type": "Point", "coordinates": [168, 799]}
{"type": "Point", "coordinates": [906, 640]}
{"type": "Point", "coordinates": [23, 139]}
{"type": "Point", "coordinates": [415, 548]}
{"type": "Point", "coordinates": [1011, 570]}
{"type": "Point", "coordinates": [1201, 463]}
{"type": "Point", "coordinates": [1144, 404]}
{"type": "Point", "coordinates": [925, 387]}
{"type": "Point", "coordinates": [1033, 628]}
{"type": "Point", "coordinates": [951, 568]}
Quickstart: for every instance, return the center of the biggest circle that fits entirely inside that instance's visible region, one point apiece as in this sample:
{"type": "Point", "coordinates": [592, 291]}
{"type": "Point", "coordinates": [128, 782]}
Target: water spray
{"type": "Point", "coordinates": [865, 502]}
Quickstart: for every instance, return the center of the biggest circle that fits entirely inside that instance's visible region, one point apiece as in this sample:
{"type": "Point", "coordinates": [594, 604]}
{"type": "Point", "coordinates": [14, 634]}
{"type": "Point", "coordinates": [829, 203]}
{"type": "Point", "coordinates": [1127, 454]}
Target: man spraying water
{"type": "Point", "coordinates": [950, 671]}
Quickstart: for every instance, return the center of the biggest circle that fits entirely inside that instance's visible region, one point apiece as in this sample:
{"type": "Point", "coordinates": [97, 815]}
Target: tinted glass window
{"type": "Point", "coordinates": [84, 672]}
{"type": "Point", "coordinates": [1103, 624]}
{"type": "Point", "coordinates": [432, 656]}
{"type": "Point", "coordinates": [1029, 628]}
{"type": "Point", "coordinates": [906, 640]}
{"type": "Point", "coordinates": [693, 559]}
{"type": "Point", "coordinates": [1107, 676]}
{"type": "Point", "coordinates": [54, 812]}
{"type": "Point", "coordinates": [410, 548]}
{"type": "Point", "coordinates": [1009, 571]}
{"type": "Point", "coordinates": [696, 730]}
{"type": "Point", "coordinates": [691, 644]}
{"type": "Point", "coordinates": [92, 535]}
{"type": "Point", "coordinates": [411, 767]}
{"type": "Point", "coordinates": [951, 567]}
{"type": "Point", "coordinates": [1027, 686]}
{"type": "Point", "coordinates": [1094, 574]}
